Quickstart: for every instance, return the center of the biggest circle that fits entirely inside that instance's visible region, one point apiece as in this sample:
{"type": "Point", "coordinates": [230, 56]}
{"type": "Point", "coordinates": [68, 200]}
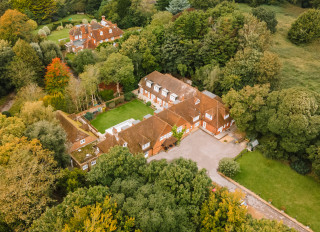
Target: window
{"type": "Point", "coordinates": [94, 41]}
{"type": "Point", "coordinates": [169, 135]}
{"type": "Point", "coordinates": [80, 36]}
{"type": "Point", "coordinates": [157, 88]}
{"type": "Point", "coordinates": [232, 121]}
{"type": "Point", "coordinates": [179, 129]}
{"type": "Point", "coordinates": [145, 146]}
{"type": "Point", "coordinates": [91, 33]}
{"type": "Point", "coordinates": [101, 32]}
{"type": "Point", "coordinates": [94, 162]}
{"type": "Point", "coordinates": [110, 30]}
{"type": "Point", "coordinates": [82, 141]}
{"type": "Point", "coordinates": [112, 38]}
{"type": "Point", "coordinates": [107, 40]}
{"type": "Point", "coordinates": [196, 118]}
{"type": "Point", "coordinates": [141, 90]}
{"type": "Point", "coordinates": [173, 97]}
{"type": "Point", "coordinates": [125, 144]}
{"type": "Point", "coordinates": [220, 129]}
{"type": "Point", "coordinates": [226, 116]}
{"type": "Point", "coordinates": [162, 137]}
{"type": "Point", "coordinates": [197, 124]}
{"type": "Point", "coordinates": [165, 92]}
{"type": "Point", "coordinates": [85, 167]}
{"type": "Point", "coordinates": [187, 131]}
{"type": "Point", "coordinates": [146, 154]}
{"type": "Point", "coordinates": [159, 100]}
{"type": "Point", "coordinates": [208, 116]}
{"type": "Point", "coordinates": [76, 37]}
{"type": "Point", "coordinates": [101, 41]}
{"type": "Point", "coordinates": [145, 91]}
{"type": "Point", "coordinates": [149, 83]}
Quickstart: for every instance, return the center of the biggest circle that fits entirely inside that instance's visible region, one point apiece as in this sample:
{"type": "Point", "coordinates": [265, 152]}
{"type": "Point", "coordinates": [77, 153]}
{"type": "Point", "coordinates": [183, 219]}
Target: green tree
{"type": "Point", "coordinates": [267, 16]}
{"type": "Point", "coordinates": [14, 25]}
{"type": "Point", "coordinates": [176, 6]}
{"type": "Point", "coordinates": [162, 4]}
{"type": "Point", "coordinates": [117, 69]}
{"type": "Point", "coordinates": [57, 77]}
{"type": "Point", "coordinates": [306, 28]}
{"type": "Point", "coordinates": [204, 5]}
{"type": "Point", "coordinates": [10, 128]}
{"type": "Point", "coordinates": [314, 155]}
{"type": "Point", "coordinates": [82, 59]}
{"type": "Point", "coordinates": [6, 56]}
{"type": "Point", "coordinates": [19, 183]}
{"type": "Point", "coordinates": [177, 134]}
{"type": "Point", "coordinates": [50, 50]}
{"type": "Point", "coordinates": [90, 81]}
{"type": "Point", "coordinates": [21, 74]}
{"type": "Point", "coordinates": [32, 112]}
{"type": "Point", "coordinates": [52, 137]}
{"type": "Point", "coordinates": [56, 217]}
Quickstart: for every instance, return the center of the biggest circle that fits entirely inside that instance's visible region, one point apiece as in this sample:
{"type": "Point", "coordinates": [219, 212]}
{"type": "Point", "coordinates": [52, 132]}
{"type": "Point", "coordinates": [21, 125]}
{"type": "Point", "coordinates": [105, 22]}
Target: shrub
{"type": "Point", "coordinates": [301, 166]}
{"type": "Point", "coordinates": [128, 96]}
{"type": "Point", "coordinates": [47, 30]}
{"type": "Point", "coordinates": [112, 105]}
{"type": "Point", "coordinates": [229, 167]}
{"type": "Point", "coordinates": [306, 28]}
{"type": "Point", "coordinates": [6, 113]}
{"type": "Point", "coordinates": [148, 103]}
{"type": "Point", "coordinates": [107, 94]}
{"type": "Point", "coordinates": [33, 24]}
{"type": "Point", "coordinates": [59, 28]}
{"type": "Point", "coordinates": [119, 100]}
{"type": "Point", "coordinates": [267, 16]}
{"type": "Point", "coordinates": [42, 33]}
{"type": "Point", "coordinates": [89, 116]}
{"type": "Point", "coordinates": [69, 26]}
{"type": "Point", "coordinates": [84, 21]}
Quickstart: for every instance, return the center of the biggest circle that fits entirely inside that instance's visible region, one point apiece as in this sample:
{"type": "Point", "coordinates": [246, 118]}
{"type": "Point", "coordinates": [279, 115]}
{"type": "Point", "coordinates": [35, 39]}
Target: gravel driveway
{"type": "Point", "coordinates": [207, 151]}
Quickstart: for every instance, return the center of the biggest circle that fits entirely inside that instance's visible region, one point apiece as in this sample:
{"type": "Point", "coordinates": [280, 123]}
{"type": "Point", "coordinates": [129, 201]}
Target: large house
{"type": "Point", "coordinates": [92, 34]}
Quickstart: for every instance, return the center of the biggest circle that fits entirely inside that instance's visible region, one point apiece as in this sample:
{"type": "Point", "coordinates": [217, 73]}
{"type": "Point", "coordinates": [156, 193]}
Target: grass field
{"type": "Point", "coordinates": [134, 109]}
{"type": "Point", "coordinates": [300, 64]}
{"type": "Point", "coordinates": [271, 179]}
{"type": "Point", "coordinates": [56, 35]}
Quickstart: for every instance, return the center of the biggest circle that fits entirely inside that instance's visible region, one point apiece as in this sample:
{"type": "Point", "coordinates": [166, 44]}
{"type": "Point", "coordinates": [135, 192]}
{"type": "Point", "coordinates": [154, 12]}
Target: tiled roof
{"type": "Point", "coordinates": [149, 130]}
{"type": "Point", "coordinates": [108, 143]}
{"type": "Point", "coordinates": [187, 109]}
{"type": "Point", "coordinates": [170, 83]}
{"type": "Point", "coordinates": [171, 118]}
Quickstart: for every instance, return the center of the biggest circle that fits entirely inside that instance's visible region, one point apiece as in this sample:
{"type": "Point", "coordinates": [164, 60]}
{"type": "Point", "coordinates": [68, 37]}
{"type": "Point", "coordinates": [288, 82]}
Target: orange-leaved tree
{"type": "Point", "coordinates": [57, 77]}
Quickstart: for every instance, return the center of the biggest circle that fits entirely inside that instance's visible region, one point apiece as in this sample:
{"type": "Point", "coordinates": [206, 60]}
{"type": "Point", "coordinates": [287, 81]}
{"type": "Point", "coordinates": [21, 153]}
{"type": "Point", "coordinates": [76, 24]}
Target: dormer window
{"type": "Point", "coordinates": [165, 92]}
{"type": "Point", "coordinates": [91, 33]}
{"type": "Point", "coordinates": [82, 141]}
{"type": "Point", "coordinates": [80, 36]}
{"type": "Point", "coordinates": [94, 41]}
{"type": "Point", "coordinates": [196, 118]}
{"type": "Point", "coordinates": [179, 129]}
{"type": "Point", "coordinates": [149, 83]}
{"type": "Point", "coordinates": [173, 97]}
{"type": "Point", "coordinates": [208, 116]}
{"type": "Point", "coordinates": [145, 146]}
{"type": "Point", "coordinates": [76, 37]}
{"type": "Point", "coordinates": [110, 30]}
{"type": "Point", "coordinates": [157, 88]}
{"type": "Point", "coordinates": [226, 116]}
{"type": "Point", "coordinates": [125, 144]}
{"type": "Point", "coordinates": [101, 32]}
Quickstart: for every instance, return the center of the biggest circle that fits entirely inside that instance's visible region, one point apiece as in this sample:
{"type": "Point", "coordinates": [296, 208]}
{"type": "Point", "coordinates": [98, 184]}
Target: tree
{"type": "Point", "coordinates": [100, 217]}
{"type": "Point", "coordinates": [56, 217]}
{"type": "Point", "coordinates": [245, 104]}
{"type": "Point", "coordinates": [32, 112]}
{"type": "Point", "coordinates": [90, 81]}
{"type": "Point", "coordinates": [21, 74]}
{"type": "Point", "coordinates": [6, 56]}
{"type": "Point", "coordinates": [76, 93]}
{"type": "Point", "coordinates": [177, 6]}
{"type": "Point", "coordinates": [13, 25]}
{"type": "Point", "coordinates": [10, 128]}
{"type": "Point", "coordinates": [267, 16]}
{"type": "Point", "coordinates": [204, 5]}
{"type": "Point", "coordinates": [161, 18]}
{"type": "Point", "coordinates": [52, 137]}
{"type": "Point", "coordinates": [306, 28]}
{"type": "Point", "coordinates": [70, 180]}
{"type": "Point", "coordinates": [314, 155]}
{"type": "Point", "coordinates": [19, 183]}
{"type": "Point", "coordinates": [222, 211]}
{"type": "Point", "coordinates": [208, 76]}
{"type": "Point", "coordinates": [50, 50]}
{"type": "Point", "coordinates": [57, 77]}
{"type": "Point", "coordinates": [82, 59]}
{"type": "Point", "coordinates": [118, 163]}
{"type": "Point", "coordinates": [177, 134]}
{"type": "Point", "coordinates": [162, 4]}
{"type": "Point", "coordinates": [118, 69]}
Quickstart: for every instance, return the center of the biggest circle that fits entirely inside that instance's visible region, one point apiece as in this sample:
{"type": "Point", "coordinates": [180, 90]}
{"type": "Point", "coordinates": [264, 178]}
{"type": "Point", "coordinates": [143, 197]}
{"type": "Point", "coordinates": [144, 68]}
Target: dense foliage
{"type": "Point", "coordinates": [229, 167]}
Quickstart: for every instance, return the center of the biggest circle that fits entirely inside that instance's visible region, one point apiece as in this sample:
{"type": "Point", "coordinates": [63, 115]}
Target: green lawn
{"type": "Point", "coordinates": [271, 179]}
{"type": "Point", "coordinates": [134, 109]}
{"type": "Point", "coordinates": [56, 35]}
{"type": "Point", "coordinates": [300, 64]}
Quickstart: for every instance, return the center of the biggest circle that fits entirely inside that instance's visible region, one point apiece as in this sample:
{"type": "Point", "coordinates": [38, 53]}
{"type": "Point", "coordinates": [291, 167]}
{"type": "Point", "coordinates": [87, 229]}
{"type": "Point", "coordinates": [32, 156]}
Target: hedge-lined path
{"type": "Point", "coordinates": [207, 152]}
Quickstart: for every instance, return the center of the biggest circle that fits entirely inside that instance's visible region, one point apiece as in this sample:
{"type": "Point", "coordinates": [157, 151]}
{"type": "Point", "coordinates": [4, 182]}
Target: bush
{"type": "Point", "coordinates": [33, 24]}
{"type": "Point", "coordinates": [128, 96]}
{"type": "Point", "coordinates": [42, 33]}
{"type": "Point", "coordinates": [112, 105]}
{"type": "Point", "coordinates": [84, 21]}
{"type": "Point", "coordinates": [107, 94]}
{"type": "Point", "coordinates": [229, 167]}
{"type": "Point", "coordinates": [267, 16]}
{"type": "Point", "coordinates": [6, 113]}
{"type": "Point", "coordinates": [69, 26]}
{"type": "Point", "coordinates": [301, 166]}
{"type": "Point", "coordinates": [119, 100]}
{"type": "Point", "coordinates": [306, 28]}
{"type": "Point", "coordinates": [89, 116]}
{"type": "Point", "coordinates": [47, 30]}
{"type": "Point", "coordinates": [148, 103]}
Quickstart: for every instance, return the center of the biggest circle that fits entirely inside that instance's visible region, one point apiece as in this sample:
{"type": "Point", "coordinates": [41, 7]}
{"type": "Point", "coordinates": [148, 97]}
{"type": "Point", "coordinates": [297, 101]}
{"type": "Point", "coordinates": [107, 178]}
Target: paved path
{"type": "Point", "coordinates": [7, 105]}
{"type": "Point", "coordinates": [207, 152]}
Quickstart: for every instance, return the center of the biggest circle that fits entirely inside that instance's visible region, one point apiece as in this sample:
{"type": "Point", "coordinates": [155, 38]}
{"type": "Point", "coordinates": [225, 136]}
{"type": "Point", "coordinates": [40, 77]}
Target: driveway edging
{"type": "Point", "coordinates": [265, 202]}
